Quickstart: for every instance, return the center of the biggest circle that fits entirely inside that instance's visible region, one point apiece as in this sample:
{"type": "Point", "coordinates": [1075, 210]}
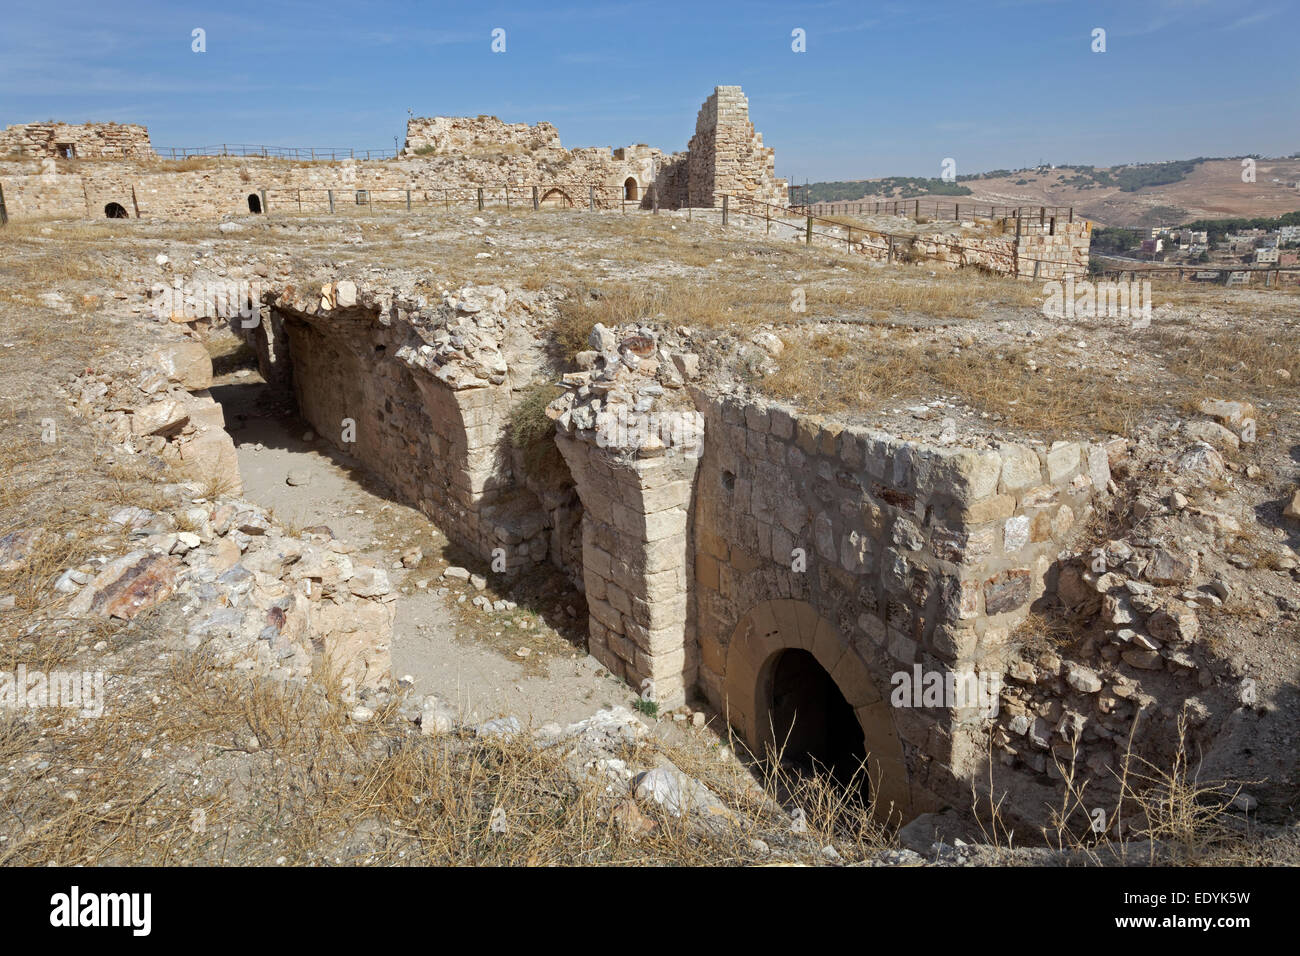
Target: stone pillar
{"type": "Point", "coordinates": [635, 559]}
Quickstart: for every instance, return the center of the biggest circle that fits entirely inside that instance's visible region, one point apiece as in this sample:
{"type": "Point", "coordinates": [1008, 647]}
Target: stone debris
{"type": "Point", "coordinates": [261, 599]}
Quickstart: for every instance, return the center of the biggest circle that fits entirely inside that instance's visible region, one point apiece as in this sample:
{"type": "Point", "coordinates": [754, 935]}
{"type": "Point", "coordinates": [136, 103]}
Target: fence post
{"type": "Point", "coordinates": [507, 197]}
{"type": "Point", "coordinates": [480, 198]}
{"type": "Point", "coordinates": [1042, 214]}
{"type": "Point", "coordinates": [266, 210]}
{"type": "Point", "coordinates": [889, 245]}
{"type": "Point", "coordinates": [591, 198]}
{"type": "Point", "coordinates": [807, 235]}
{"type": "Point", "coordinates": [725, 198]}
{"type": "Point", "coordinates": [535, 202]}
{"type": "Point", "coordinates": [917, 213]}
{"type": "Point", "coordinates": [1051, 229]}
{"type": "Point", "coordinates": [300, 202]}
{"type": "Point", "coordinates": [331, 195]}
{"type": "Point", "coordinates": [654, 198]}
{"type": "Point", "coordinates": [370, 200]}
{"type": "Point", "coordinates": [4, 214]}
{"type": "Point", "coordinates": [767, 217]}
{"type": "Point", "coordinates": [408, 200]}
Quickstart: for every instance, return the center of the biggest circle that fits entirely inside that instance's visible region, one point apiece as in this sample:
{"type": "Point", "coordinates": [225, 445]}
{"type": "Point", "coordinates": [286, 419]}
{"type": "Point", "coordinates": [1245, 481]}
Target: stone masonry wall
{"type": "Point", "coordinates": [86, 141]}
{"type": "Point", "coordinates": [224, 189]}
{"type": "Point", "coordinates": [635, 564]}
{"type": "Point", "coordinates": [727, 155]}
{"type": "Point", "coordinates": [445, 160]}
{"type": "Point", "coordinates": [1054, 251]}
{"type": "Point", "coordinates": [469, 134]}
{"type": "Point", "coordinates": [915, 554]}
{"type": "Point", "coordinates": [428, 416]}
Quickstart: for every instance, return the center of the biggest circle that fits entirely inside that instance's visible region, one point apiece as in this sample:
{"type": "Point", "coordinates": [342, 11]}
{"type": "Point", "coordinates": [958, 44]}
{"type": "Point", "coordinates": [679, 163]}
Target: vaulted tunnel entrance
{"type": "Point", "coordinates": [791, 677]}
{"type": "Point", "coordinates": [815, 729]}
{"type": "Point", "coordinates": [629, 188]}
{"type": "Point", "coordinates": [115, 210]}
{"type": "Point", "coordinates": [254, 203]}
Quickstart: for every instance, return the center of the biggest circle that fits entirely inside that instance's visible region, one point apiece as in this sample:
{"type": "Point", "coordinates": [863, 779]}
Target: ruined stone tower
{"type": "Point", "coordinates": [727, 155]}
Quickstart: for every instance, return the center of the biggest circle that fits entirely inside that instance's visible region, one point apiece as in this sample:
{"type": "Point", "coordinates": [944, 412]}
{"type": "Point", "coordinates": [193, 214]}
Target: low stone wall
{"type": "Point", "coordinates": [1036, 254]}
{"type": "Point", "coordinates": [1054, 251]}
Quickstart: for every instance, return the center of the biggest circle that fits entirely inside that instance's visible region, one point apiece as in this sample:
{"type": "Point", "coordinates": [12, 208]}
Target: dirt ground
{"type": "Point", "coordinates": [464, 655]}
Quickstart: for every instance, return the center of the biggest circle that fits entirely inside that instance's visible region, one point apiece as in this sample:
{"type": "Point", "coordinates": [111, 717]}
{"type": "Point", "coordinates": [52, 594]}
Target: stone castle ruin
{"type": "Point", "coordinates": [442, 156]}
{"type": "Point", "coordinates": [779, 564]}
{"type": "Point", "coordinates": [782, 565]}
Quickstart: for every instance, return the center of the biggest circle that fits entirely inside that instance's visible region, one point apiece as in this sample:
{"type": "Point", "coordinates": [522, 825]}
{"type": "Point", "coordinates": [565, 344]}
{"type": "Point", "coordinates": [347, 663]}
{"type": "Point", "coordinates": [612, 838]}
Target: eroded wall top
{"type": "Point", "coordinates": [85, 141]}
{"type": "Point", "coordinates": [442, 135]}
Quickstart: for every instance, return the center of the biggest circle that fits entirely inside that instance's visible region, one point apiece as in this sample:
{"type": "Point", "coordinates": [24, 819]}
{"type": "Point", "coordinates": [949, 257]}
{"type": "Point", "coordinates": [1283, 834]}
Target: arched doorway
{"type": "Point", "coordinates": [770, 697]}
{"type": "Point", "coordinates": [555, 197]}
{"type": "Point", "coordinates": [629, 188]}
{"type": "Point", "coordinates": [814, 725]}
{"type": "Point", "coordinates": [254, 203]}
{"type": "Point", "coordinates": [115, 210]}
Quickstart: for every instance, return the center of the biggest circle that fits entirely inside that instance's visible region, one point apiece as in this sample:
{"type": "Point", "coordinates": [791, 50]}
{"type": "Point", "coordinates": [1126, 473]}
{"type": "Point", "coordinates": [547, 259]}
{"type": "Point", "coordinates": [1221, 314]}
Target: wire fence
{"type": "Point", "coordinates": [933, 208]}
{"type": "Point", "coordinates": [480, 197]}
{"type": "Point", "coordinates": [902, 246]}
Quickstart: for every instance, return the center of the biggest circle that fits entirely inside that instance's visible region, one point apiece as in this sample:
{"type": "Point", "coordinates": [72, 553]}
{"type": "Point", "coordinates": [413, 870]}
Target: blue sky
{"type": "Point", "coordinates": [882, 89]}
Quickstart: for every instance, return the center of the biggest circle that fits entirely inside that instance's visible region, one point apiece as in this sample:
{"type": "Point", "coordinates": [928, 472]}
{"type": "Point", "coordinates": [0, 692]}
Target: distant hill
{"type": "Point", "coordinates": [1137, 195]}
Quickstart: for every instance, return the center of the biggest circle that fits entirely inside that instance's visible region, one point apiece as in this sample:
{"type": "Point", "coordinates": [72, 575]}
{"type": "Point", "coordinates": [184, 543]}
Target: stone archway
{"type": "Point", "coordinates": [254, 203]}
{"type": "Point", "coordinates": [630, 189]}
{"type": "Point", "coordinates": [115, 210]}
{"type": "Point", "coordinates": [556, 197]}
{"type": "Point", "coordinates": [760, 640]}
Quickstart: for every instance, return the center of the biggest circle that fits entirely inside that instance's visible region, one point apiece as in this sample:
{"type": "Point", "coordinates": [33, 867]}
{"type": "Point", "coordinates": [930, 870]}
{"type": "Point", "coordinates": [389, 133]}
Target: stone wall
{"type": "Point", "coordinates": [914, 554]}
{"type": "Point", "coordinates": [1053, 250]}
{"type": "Point", "coordinates": [420, 395]}
{"type": "Point", "coordinates": [86, 141]}
{"type": "Point", "coordinates": [717, 531]}
{"type": "Point", "coordinates": [635, 563]}
{"type": "Point", "coordinates": [445, 161]}
{"type": "Point", "coordinates": [727, 155]}
{"type": "Point", "coordinates": [466, 135]}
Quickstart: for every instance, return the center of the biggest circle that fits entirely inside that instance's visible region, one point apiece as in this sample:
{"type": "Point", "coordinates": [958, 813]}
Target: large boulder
{"type": "Point", "coordinates": [186, 363]}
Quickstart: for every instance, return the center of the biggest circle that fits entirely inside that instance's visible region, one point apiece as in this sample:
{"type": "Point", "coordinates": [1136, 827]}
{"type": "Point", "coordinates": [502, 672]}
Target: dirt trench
{"type": "Point", "coordinates": [528, 661]}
